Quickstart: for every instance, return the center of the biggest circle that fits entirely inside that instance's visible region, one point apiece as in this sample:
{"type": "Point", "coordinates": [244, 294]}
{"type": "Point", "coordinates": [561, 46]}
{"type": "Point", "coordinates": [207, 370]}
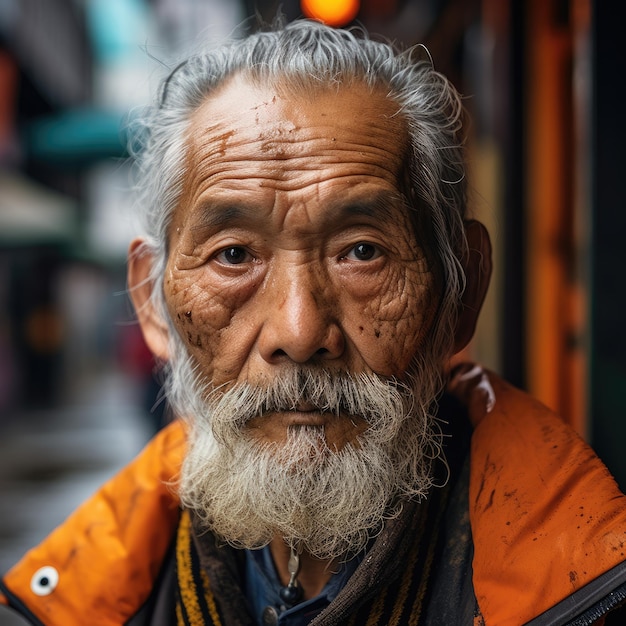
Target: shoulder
{"type": "Point", "coordinates": [108, 553]}
{"type": "Point", "coordinates": [548, 520]}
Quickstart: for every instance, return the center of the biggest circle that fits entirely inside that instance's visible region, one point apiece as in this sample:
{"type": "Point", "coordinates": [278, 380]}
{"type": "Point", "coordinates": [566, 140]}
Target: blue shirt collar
{"type": "Point", "coordinates": [263, 587]}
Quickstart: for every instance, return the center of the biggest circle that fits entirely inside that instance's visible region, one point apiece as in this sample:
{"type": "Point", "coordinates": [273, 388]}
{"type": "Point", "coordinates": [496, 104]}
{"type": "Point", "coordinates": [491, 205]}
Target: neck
{"type": "Point", "coordinates": [313, 575]}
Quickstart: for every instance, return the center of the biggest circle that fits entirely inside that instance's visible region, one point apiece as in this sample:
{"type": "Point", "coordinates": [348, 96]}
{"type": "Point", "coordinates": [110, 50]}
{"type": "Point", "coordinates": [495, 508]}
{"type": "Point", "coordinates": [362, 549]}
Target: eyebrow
{"type": "Point", "coordinates": [379, 205]}
{"type": "Point", "coordinates": [216, 216]}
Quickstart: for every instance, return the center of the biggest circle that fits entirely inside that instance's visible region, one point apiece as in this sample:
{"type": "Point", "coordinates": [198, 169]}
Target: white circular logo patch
{"type": "Point", "coordinates": [44, 581]}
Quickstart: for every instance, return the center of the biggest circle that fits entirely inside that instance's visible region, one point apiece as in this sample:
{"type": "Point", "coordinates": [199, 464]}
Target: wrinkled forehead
{"type": "Point", "coordinates": [279, 120]}
{"type": "Point", "coordinates": [262, 140]}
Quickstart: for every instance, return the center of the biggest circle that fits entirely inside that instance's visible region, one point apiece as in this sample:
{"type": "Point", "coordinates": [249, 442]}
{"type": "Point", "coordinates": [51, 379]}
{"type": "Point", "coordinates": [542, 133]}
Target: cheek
{"type": "Point", "coordinates": [393, 325]}
{"type": "Point", "coordinates": [202, 316]}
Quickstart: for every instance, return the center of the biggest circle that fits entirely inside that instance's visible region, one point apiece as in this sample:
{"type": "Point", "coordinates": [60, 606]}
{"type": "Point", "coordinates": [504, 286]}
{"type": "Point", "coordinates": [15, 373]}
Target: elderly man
{"type": "Point", "coordinates": [307, 271]}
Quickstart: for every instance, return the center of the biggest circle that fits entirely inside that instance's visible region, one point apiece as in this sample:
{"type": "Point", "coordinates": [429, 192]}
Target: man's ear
{"type": "Point", "coordinates": [477, 265]}
{"type": "Point", "coordinates": [140, 286]}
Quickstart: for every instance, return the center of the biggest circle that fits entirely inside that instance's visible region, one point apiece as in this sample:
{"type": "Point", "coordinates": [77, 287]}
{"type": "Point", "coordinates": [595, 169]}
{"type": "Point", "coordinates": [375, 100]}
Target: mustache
{"type": "Point", "coordinates": [377, 400]}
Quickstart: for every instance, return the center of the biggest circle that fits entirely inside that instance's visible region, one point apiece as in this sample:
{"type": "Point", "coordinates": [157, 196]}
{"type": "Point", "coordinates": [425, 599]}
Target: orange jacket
{"type": "Point", "coordinates": [547, 520]}
{"type": "Point", "coordinates": [109, 551]}
{"type": "Point", "coordinates": [547, 517]}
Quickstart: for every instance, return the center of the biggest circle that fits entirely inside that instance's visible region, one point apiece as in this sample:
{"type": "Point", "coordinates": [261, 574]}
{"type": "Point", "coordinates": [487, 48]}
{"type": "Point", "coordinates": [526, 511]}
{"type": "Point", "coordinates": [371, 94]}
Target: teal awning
{"type": "Point", "coordinates": [76, 138]}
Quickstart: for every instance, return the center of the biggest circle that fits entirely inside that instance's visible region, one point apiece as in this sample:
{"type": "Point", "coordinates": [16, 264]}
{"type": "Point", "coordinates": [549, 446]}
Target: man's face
{"type": "Point", "coordinates": [292, 245]}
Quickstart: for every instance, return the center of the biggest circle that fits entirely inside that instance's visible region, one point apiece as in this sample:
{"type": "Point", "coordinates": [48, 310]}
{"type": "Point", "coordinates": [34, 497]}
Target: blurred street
{"type": "Point", "coordinates": [51, 460]}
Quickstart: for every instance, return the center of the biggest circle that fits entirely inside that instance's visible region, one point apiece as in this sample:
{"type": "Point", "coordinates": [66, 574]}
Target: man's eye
{"type": "Point", "coordinates": [234, 256]}
{"type": "Point", "coordinates": [363, 252]}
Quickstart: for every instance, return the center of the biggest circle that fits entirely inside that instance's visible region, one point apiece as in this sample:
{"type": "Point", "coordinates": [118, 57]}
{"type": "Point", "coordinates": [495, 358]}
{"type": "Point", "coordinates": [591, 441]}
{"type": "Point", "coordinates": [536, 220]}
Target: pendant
{"type": "Point", "coordinates": [292, 593]}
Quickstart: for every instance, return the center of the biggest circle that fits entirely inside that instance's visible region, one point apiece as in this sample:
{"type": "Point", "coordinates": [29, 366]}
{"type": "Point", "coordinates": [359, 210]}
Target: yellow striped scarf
{"type": "Point", "coordinates": [396, 604]}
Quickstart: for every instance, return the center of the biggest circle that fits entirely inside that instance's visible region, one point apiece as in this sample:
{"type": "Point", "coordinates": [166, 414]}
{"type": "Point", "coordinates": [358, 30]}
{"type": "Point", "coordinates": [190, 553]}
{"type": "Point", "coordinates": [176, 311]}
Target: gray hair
{"type": "Point", "coordinates": [305, 55]}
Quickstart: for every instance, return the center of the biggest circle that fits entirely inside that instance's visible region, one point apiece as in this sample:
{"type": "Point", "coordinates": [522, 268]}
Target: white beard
{"type": "Point", "coordinates": [327, 502]}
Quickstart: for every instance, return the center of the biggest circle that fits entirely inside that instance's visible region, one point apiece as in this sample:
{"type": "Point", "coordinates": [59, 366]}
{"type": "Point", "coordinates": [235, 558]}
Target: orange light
{"type": "Point", "coordinates": [331, 12]}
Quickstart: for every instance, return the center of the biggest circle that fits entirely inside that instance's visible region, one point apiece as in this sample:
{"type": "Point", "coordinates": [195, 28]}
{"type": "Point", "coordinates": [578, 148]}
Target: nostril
{"type": "Point", "coordinates": [299, 336]}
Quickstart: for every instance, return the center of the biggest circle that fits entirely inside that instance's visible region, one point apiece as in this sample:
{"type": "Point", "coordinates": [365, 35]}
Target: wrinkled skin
{"type": "Point", "coordinates": [292, 244]}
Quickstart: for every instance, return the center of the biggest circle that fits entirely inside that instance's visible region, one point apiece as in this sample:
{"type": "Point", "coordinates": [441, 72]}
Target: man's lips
{"type": "Point", "coordinates": [339, 429]}
{"type": "Point", "coordinates": [296, 417]}
{"type": "Point", "coordinates": [306, 418]}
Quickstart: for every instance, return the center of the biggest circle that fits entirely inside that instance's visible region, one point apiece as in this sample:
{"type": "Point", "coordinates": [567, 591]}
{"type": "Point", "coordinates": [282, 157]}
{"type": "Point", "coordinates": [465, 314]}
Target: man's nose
{"type": "Point", "coordinates": [301, 319]}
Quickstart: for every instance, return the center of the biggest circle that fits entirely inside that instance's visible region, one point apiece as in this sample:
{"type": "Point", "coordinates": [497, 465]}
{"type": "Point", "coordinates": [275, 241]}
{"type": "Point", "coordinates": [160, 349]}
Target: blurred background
{"type": "Point", "coordinates": [544, 82]}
